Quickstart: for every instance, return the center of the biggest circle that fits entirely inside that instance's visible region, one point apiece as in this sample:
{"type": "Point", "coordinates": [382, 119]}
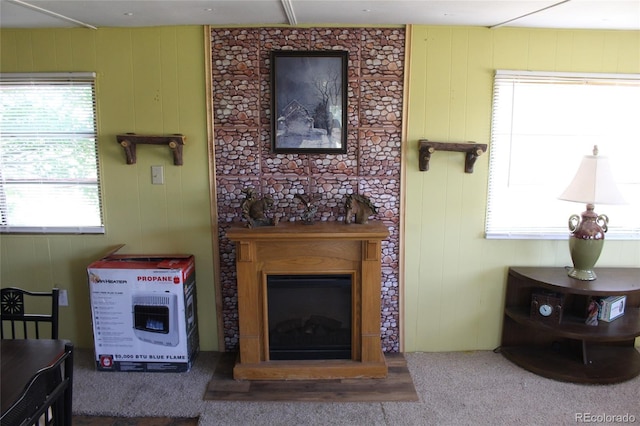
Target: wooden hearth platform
{"type": "Point", "coordinates": [397, 386]}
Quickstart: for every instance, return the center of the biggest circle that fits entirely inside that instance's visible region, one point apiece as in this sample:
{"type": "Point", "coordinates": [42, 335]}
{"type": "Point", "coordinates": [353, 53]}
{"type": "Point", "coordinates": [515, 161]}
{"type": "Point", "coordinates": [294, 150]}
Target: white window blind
{"type": "Point", "coordinates": [48, 154]}
{"type": "Point", "coordinates": [542, 126]}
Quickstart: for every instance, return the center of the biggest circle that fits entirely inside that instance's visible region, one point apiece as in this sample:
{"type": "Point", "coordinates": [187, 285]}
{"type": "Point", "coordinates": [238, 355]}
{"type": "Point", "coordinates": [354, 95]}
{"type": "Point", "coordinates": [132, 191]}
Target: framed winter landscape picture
{"type": "Point", "coordinates": [309, 101]}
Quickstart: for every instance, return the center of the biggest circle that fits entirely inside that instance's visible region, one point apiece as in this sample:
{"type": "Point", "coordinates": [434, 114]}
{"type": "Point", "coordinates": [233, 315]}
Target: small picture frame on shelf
{"type": "Point", "coordinates": [593, 312]}
{"type": "Point", "coordinates": [612, 307]}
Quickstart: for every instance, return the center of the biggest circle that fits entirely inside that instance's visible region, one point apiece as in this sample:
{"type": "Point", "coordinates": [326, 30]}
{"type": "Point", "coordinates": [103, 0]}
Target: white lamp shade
{"type": "Point", "coordinates": [593, 183]}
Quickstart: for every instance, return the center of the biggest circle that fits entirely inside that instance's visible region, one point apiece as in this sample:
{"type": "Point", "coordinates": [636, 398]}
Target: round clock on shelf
{"type": "Point", "coordinates": [547, 307]}
{"type": "Point", "coordinates": [545, 310]}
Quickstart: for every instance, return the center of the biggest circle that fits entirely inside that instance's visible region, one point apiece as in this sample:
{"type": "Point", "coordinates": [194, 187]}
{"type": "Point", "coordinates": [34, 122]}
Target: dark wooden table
{"type": "Point", "coordinates": [21, 360]}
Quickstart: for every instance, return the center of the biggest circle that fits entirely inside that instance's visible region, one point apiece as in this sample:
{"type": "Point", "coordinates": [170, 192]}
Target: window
{"type": "Point", "coordinates": [48, 154]}
{"type": "Point", "coordinates": [543, 124]}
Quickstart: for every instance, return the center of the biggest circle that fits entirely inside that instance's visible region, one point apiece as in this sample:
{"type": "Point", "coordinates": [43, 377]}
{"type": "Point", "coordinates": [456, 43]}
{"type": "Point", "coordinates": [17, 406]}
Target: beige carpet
{"type": "Point", "coordinates": [397, 386]}
{"type": "Point", "coordinates": [454, 388]}
{"type": "Point", "coordinates": [132, 421]}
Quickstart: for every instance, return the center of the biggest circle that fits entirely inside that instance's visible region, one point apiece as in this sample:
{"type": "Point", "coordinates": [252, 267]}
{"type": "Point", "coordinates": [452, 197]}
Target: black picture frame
{"type": "Point", "coordinates": [309, 101]}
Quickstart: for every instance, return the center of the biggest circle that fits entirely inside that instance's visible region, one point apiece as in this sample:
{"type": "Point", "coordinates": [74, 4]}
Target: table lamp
{"type": "Point", "coordinates": [593, 183]}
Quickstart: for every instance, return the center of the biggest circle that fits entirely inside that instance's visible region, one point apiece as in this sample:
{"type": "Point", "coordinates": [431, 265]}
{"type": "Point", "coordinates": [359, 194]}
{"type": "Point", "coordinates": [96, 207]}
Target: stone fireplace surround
{"type": "Point", "coordinates": [242, 156]}
{"type": "Point", "coordinates": [322, 248]}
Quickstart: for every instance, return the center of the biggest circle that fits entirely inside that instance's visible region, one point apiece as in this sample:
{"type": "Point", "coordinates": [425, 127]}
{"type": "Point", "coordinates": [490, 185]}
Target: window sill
{"type": "Point", "coordinates": [51, 230]}
{"type": "Point", "coordinates": [520, 235]}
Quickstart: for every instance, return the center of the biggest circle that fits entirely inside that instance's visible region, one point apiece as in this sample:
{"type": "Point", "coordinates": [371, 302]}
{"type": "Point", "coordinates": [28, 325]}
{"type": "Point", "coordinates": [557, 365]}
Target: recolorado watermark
{"type": "Point", "coordinates": [604, 418]}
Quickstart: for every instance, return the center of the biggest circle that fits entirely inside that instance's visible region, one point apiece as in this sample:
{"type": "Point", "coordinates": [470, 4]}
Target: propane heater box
{"type": "Point", "coordinates": [143, 311]}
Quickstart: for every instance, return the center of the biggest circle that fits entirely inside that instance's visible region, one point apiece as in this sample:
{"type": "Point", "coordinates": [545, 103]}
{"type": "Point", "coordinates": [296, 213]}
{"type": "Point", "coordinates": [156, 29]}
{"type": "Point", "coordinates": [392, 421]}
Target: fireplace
{"type": "Point", "coordinates": [309, 316]}
{"type": "Point", "coordinates": [279, 269]}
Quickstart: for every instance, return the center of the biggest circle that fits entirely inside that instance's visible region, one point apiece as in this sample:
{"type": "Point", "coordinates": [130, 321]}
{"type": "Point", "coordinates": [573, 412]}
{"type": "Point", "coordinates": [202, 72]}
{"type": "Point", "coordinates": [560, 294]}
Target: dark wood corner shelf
{"type": "Point", "coordinates": [129, 141]}
{"type": "Point", "coordinates": [573, 326]}
{"type": "Point", "coordinates": [570, 350]}
{"type": "Point", "coordinates": [608, 364]}
{"type": "Point", "coordinates": [472, 151]}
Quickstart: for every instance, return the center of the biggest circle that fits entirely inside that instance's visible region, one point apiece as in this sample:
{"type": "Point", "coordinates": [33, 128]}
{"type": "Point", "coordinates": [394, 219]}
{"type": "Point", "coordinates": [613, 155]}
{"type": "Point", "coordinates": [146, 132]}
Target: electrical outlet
{"type": "Point", "coordinates": [63, 298]}
{"type": "Point", "coordinates": [157, 175]}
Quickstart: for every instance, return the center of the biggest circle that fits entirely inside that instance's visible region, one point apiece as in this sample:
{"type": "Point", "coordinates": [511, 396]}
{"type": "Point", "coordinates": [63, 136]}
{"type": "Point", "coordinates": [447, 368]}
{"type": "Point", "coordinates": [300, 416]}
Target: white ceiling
{"type": "Point", "coordinates": [571, 14]}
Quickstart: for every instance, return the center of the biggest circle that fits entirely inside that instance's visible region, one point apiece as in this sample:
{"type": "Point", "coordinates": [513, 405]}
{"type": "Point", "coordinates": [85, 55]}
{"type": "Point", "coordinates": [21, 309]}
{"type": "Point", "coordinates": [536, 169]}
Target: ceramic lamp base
{"type": "Point", "coordinates": [586, 242]}
{"type": "Point", "coordinates": [582, 275]}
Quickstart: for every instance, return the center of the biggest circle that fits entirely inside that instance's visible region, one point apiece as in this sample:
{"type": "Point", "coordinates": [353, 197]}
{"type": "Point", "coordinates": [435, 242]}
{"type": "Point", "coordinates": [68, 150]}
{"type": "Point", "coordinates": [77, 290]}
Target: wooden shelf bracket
{"type": "Point", "coordinates": [129, 141]}
{"type": "Point", "coordinates": [472, 151]}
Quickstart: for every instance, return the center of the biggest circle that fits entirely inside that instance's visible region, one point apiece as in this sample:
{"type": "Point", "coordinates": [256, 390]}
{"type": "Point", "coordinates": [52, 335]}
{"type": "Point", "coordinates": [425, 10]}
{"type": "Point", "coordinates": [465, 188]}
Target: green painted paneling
{"type": "Point", "coordinates": [149, 80]}
{"type": "Point", "coordinates": [454, 278]}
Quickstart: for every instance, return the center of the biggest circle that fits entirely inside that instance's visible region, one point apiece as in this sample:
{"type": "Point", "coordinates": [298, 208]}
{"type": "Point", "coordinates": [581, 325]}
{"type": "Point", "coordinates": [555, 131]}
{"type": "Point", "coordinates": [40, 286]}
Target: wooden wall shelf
{"type": "Point", "coordinates": [129, 141]}
{"type": "Point", "coordinates": [472, 151]}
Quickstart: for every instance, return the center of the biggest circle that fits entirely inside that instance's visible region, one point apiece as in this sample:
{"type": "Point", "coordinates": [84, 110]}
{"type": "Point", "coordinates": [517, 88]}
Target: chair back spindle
{"type": "Point", "coordinates": [15, 309]}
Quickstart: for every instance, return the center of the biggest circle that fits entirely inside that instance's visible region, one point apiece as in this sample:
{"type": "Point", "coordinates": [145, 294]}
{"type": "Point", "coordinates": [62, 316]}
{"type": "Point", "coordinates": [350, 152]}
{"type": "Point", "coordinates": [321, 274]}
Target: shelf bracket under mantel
{"type": "Point", "coordinates": [129, 141]}
{"type": "Point", "coordinates": [472, 151]}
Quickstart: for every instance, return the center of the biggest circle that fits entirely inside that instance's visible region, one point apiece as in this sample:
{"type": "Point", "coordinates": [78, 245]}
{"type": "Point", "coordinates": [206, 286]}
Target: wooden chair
{"type": "Point", "coordinates": [47, 398]}
{"type": "Point", "coordinates": [14, 311]}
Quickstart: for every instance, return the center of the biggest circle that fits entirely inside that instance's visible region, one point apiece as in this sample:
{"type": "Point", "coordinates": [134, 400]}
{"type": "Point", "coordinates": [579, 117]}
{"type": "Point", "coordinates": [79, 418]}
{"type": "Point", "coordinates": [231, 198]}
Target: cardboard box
{"type": "Point", "coordinates": [611, 308]}
{"type": "Point", "coordinates": [143, 310]}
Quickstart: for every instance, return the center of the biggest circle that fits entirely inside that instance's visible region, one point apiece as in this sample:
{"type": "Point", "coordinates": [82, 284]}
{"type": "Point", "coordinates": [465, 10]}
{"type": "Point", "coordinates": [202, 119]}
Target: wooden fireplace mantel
{"type": "Point", "coordinates": [321, 248]}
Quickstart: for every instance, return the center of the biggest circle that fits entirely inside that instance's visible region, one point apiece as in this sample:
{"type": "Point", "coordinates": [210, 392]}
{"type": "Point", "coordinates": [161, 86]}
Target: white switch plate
{"type": "Point", "coordinates": [157, 175]}
{"type": "Point", "coordinates": [63, 298]}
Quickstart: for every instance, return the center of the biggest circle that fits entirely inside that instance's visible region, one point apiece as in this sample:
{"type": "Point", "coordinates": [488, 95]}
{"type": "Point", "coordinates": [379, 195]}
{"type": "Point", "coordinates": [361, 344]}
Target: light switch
{"type": "Point", "coordinates": [157, 175]}
{"type": "Point", "coordinates": [63, 298]}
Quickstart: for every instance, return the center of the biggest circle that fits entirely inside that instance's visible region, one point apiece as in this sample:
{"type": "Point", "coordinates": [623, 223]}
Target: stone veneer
{"type": "Point", "coordinates": [371, 166]}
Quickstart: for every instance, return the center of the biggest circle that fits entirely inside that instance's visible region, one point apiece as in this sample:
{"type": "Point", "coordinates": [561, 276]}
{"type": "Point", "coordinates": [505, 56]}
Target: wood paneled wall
{"type": "Point", "coordinates": [149, 81]}
{"type": "Point", "coordinates": [455, 279]}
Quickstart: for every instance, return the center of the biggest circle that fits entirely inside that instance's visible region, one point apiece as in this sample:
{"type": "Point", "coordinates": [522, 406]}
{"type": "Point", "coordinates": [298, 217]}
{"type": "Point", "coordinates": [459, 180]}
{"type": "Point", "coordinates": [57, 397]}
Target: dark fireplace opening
{"type": "Point", "coordinates": [309, 316]}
